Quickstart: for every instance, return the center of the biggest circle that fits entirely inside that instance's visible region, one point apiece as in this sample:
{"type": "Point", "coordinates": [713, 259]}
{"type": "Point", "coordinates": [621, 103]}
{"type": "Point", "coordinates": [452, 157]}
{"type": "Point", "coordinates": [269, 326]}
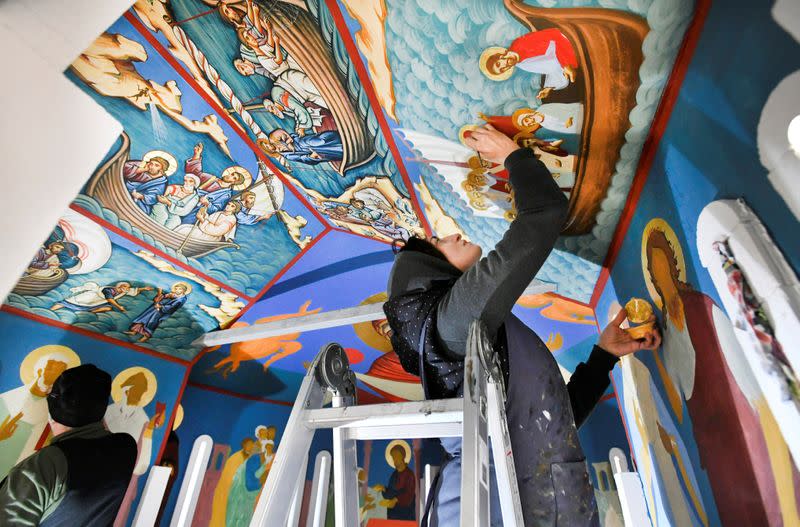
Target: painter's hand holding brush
{"type": "Point", "coordinates": [490, 144]}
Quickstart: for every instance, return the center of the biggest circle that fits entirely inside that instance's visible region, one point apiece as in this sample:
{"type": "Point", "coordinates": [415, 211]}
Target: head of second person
{"type": "Point", "coordinates": [79, 397]}
{"type": "Point", "coordinates": [454, 249]}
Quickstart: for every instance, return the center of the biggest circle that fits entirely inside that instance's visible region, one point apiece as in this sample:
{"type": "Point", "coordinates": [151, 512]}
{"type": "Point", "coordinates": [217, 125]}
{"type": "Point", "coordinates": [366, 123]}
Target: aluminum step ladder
{"type": "Point", "coordinates": [479, 417]}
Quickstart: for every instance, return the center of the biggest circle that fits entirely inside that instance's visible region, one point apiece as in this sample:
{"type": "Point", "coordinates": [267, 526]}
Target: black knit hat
{"type": "Point", "coordinates": [80, 396]}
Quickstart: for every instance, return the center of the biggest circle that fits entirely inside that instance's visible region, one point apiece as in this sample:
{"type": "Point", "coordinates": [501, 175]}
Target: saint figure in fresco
{"type": "Point", "coordinates": [164, 305]}
{"type": "Point", "coordinates": [282, 104]}
{"type": "Point", "coordinates": [561, 118]}
{"type": "Point", "coordinates": [23, 410]}
{"type": "Point", "coordinates": [178, 201]}
{"type": "Point", "coordinates": [399, 494]}
{"type": "Point", "coordinates": [704, 365]}
{"type": "Point", "coordinates": [547, 52]}
{"type": "Point", "coordinates": [93, 297]}
{"type": "Point", "coordinates": [219, 507]}
{"type": "Point", "coordinates": [378, 218]}
{"type": "Point", "coordinates": [45, 261]}
{"type": "Point", "coordinates": [668, 477]}
{"type": "Point", "coordinates": [132, 390]}
{"type": "Point", "coordinates": [261, 54]}
{"type": "Point", "coordinates": [247, 200]}
{"type": "Point", "coordinates": [245, 487]}
{"type": "Point", "coordinates": [311, 149]}
{"type": "Point", "coordinates": [218, 226]}
{"type": "Point", "coordinates": [146, 180]}
{"type": "Point", "coordinates": [266, 438]}
{"type": "Point", "coordinates": [214, 192]}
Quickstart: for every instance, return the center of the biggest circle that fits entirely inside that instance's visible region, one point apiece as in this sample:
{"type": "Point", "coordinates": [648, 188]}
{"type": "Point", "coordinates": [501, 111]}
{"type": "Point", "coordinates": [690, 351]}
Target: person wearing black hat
{"type": "Point", "coordinates": [81, 477]}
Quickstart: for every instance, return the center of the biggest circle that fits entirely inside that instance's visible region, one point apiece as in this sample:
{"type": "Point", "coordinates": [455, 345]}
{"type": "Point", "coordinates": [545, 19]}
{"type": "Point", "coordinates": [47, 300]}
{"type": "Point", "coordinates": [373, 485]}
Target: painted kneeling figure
{"type": "Point", "coordinates": [440, 285]}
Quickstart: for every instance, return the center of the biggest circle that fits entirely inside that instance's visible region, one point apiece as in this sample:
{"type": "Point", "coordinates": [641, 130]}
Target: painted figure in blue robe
{"type": "Point", "coordinates": [68, 257]}
{"type": "Point", "coordinates": [164, 305]}
{"type": "Point", "coordinates": [245, 216]}
{"type": "Point", "coordinates": [146, 180]}
{"type": "Point", "coordinates": [216, 193]}
{"type": "Point", "coordinates": [244, 492]}
{"type": "Point", "coordinates": [399, 495]}
{"type": "Point", "coordinates": [310, 149]}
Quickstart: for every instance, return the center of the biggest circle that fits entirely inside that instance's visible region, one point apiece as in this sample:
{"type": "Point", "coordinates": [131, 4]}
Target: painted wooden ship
{"type": "Point", "coordinates": [608, 45]}
{"type": "Point", "coordinates": [108, 187]}
{"type": "Point", "coordinates": [300, 36]}
{"type": "Point", "coordinates": [34, 285]}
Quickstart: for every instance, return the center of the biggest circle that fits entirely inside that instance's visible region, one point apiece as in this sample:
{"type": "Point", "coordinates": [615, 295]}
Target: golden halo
{"type": "Point", "coordinates": [464, 129]}
{"type": "Point", "coordinates": [27, 370]}
{"type": "Point", "coordinates": [366, 331]}
{"type": "Point", "coordinates": [187, 285]}
{"type": "Point", "coordinates": [124, 375]}
{"type": "Point", "coordinates": [178, 417]}
{"type": "Point", "coordinates": [516, 117]}
{"type": "Point", "coordinates": [248, 178]}
{"type": "Point", "coordinates": [659, 224]}
{"type": "Point", "coordinates": [393, 444]}
{"type": "Point", "coordinates": [173, 165]}
{"type": "Point", "coordinates": [488, 52]}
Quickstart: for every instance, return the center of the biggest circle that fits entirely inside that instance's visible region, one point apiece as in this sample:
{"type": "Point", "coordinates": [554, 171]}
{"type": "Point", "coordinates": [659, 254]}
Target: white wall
{"type": "Point", "coordinates": [52, 135]}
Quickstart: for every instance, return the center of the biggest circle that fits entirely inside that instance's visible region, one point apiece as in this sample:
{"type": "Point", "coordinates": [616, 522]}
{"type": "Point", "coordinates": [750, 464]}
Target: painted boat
{"type": "Point", "coordinates": [608, 45]}
{"type": "Point", "coordinates": [39, 285]}
{"type": "Point", "coordinates": [108, 187]}
{"type": "Point", "coordinates": [300, 36]}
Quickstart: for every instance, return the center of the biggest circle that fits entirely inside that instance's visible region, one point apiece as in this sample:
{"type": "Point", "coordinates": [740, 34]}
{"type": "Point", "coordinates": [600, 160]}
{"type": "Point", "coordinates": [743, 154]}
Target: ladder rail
{"type": "Point", "coordinates": [475, 476]}
{"type": "Point", "coordinates": [272, 507]}
{"type": "Point", "coordinates": [345, 480]}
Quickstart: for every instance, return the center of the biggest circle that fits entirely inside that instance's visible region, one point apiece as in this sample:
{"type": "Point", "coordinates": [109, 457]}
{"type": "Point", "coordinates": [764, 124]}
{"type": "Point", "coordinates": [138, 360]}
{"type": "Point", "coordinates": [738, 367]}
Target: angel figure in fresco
{"type": "Point", "coordinates": [164, 305]}
{"type": "Point", "coordinates": [23, 410]}
{"type": "Point", "coordinates": [704, 366]}
{"type": "Point", "coordinates": [547, 52]}
{"type": "Point", "coordinates": [132, 390]}
{"type": "Point", "coordinates": [275, 348]}
{"type": "Point", "coordinates": [95, 298]}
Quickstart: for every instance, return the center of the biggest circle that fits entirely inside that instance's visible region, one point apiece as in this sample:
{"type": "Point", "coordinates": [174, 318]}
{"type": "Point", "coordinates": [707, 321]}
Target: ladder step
{"type": "Point", "coordinates": [442, 415]}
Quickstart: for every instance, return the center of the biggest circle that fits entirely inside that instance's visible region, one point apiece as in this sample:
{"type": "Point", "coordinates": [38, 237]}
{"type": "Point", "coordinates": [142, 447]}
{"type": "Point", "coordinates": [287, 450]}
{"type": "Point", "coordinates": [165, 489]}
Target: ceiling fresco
{"type": "Point", "coordinates": [577, 81]}
{"type": "Point", "coordinates": [272, 151]}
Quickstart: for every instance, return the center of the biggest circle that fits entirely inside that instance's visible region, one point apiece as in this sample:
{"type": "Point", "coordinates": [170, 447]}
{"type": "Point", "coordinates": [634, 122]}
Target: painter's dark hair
{"type": "Point", "coordinates": [421, 245]}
